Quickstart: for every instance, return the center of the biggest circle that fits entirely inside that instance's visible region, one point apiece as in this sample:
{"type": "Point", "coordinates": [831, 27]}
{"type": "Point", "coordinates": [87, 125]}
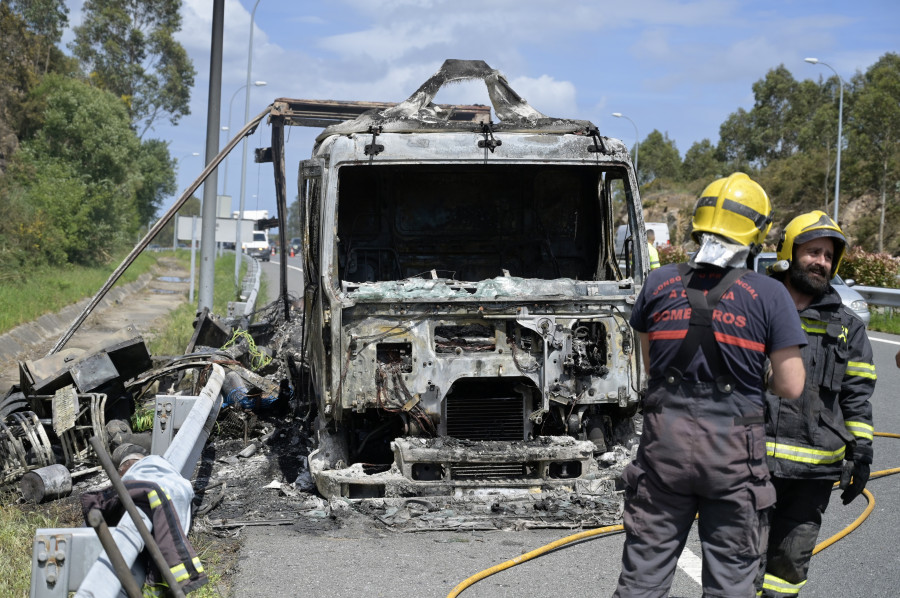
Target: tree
{"type": "Point", "coordinates": [874, 124]}
{"type": "Point", "coordinates": [128, 48]}
{"type": "Point", "coordinates": [46, 18]}
{"type": "Point", "coordinates": [771, 129]}
{"type": "Point", "coordinates": [776, 116]}
{"type": "Point", "coordinates": [157, 179]}
{"type": "Point", "coordinates": [659, 158]}
{"type": "Point", "coordinates": [77, 176]}
{"type": "Point", "coordinates": [701, 162]}
{"type": "Point", "coordinates": [734, 140]}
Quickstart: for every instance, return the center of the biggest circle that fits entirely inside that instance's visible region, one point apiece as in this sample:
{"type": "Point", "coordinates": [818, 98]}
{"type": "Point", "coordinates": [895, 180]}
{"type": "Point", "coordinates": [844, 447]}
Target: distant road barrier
{"type": "Point", "coordinates": [879, 296]}
{"type": "Point", "coordinates": [249, 289]}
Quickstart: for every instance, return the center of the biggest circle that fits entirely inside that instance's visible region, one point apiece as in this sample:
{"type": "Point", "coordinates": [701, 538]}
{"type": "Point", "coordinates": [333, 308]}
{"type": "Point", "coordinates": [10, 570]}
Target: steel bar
{"type": "Point", "coordinates": [123, 572]}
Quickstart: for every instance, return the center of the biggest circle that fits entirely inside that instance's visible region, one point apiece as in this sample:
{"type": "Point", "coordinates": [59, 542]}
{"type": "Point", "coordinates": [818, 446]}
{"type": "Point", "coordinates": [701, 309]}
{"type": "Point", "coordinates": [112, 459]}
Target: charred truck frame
{"type": "Point", "coordinates": [465, 321]}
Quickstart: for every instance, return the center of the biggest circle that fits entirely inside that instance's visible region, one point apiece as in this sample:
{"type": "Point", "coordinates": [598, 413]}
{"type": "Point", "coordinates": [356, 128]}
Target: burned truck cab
{"type": "Point", "coordinates": [465, 318]}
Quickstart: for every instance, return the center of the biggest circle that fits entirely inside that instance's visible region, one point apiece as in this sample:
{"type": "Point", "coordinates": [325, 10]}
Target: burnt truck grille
{"type": "Point", "coordinates": [486, 418]}
{"type": "Point", "coordinates": [494, 471]}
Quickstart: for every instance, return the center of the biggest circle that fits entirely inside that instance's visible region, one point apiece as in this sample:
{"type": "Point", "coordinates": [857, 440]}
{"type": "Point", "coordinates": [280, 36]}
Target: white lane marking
{"type": "Point", "coordinates": [691, 564]}
{"type": "Point", "coordinates": [884, 340]}
{"type": "Point", "coordinates": [298, 269]}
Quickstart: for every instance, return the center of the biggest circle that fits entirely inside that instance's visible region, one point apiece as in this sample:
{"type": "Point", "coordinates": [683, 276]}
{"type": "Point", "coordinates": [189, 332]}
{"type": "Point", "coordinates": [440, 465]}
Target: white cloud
{"type": "Point", "coordinates": [547, 95]}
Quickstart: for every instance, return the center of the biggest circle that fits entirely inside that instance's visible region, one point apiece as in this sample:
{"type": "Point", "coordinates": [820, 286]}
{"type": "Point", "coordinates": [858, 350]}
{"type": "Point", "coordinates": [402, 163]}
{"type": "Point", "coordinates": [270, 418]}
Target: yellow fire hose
{"type": "Point", "coordinates": [617, 528]}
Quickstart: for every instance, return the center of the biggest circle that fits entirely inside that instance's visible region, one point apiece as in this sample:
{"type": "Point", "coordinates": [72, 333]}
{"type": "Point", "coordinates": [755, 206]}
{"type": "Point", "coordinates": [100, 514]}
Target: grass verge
{"type": "Point", "coordinates": [885, 320]}
{"type": "Point", "coordinates": [48, 290]}
{"type": "Point", "coordinates": [179, 324]}
{"type": "Point", "coordinates": [17, 526]}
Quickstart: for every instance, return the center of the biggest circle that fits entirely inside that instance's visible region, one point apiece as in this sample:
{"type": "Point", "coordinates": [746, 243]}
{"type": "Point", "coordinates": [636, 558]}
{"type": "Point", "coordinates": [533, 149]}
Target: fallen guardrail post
{"type": "Point", "coordinates": [69, 559]}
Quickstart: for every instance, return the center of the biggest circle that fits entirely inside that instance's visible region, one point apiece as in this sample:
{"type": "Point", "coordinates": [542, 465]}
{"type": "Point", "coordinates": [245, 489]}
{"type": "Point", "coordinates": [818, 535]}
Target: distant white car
{"type": "Point", "coordinates": [857, 304]}
{"type": "Point", "coordinates": [259, 246]}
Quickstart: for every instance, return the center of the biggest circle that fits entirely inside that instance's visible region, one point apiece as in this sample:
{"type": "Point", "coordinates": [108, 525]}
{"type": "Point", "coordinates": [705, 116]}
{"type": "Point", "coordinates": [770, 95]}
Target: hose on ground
{"type": "Point", "coordinates": [600, 531]}
{"type": "Point", "coordinates": [530, 555]}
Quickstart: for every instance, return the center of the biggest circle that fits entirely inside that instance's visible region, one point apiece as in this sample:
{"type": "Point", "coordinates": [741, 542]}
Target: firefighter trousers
{"type": "Point", "coordinates": [702, 453]}
{"type": "Point", "coordinates": [657, 523]}
{"type": "Point", "coordinates": [795, 523]}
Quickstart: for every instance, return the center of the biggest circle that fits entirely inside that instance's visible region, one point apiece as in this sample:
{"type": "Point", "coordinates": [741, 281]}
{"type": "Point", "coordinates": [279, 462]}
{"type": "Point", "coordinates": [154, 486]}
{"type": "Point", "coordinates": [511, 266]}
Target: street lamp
{"type": "Point", "coordinates": [637, 139]}
{"type": "Point", "coordinates": [228, 128]}
{"type": "Point", "coordinates": [837, 169]}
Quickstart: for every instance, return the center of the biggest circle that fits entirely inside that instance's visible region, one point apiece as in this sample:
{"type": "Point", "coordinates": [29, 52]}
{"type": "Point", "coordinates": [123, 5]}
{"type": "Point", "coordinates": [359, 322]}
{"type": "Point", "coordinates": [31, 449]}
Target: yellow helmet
{"type": "Point", "coordinates": [807, 227]}
{"type": "Point", "coordinates": [735, 207]}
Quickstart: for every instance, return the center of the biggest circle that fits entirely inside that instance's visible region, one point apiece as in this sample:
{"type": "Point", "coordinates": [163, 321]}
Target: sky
{"type": "Point", "coordinates": [677, 66]}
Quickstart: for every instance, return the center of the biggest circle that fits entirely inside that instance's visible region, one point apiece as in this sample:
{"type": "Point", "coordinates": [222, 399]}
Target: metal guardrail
{"type": "Point", "coordinates": [249, 290]}
{"type": "Point", "coordinates": [254, 274]}
{"type": "Point", "coordinates": [879, 296]}
{"type": "Point", "coordinates": [69, 559]}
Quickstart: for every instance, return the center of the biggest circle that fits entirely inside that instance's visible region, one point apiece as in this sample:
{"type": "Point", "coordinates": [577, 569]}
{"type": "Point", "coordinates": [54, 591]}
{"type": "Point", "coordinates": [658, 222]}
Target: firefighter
{"type": "Point", "coordinates": [651, 249]}
{"type": "Point", "coordinates": [706, 329]}
{"type": "Point", "coordinates": [826, 435]}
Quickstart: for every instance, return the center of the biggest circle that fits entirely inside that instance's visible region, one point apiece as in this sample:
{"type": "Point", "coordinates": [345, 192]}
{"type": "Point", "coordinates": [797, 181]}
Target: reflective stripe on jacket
{"type": "Point", "coordinates": [809, 437]}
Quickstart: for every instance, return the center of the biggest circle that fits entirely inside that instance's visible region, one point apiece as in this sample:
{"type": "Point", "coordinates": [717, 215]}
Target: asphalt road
{"type": "Point", "coordinates": [361, 560]}
{"type": "Point", "coordinates": [271, 270]}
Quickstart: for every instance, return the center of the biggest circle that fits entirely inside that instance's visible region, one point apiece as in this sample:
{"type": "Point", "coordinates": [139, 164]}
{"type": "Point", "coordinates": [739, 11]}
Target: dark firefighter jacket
{"type": "Point", "coordinates": [809, 437]}
{"type": "Point", "coordinates": [153, 500]}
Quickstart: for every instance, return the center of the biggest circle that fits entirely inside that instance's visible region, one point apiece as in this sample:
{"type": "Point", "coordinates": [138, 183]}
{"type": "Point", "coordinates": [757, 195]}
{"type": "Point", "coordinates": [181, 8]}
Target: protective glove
{"type": "Point", "coordinates": [854, 476]}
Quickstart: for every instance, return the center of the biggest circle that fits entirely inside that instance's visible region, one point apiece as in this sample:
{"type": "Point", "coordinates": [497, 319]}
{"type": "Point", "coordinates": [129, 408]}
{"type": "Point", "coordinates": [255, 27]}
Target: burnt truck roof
{"type": "Point", "coordinates": [418, 113]}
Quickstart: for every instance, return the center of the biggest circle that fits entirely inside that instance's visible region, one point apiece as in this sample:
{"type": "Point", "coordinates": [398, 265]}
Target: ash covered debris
{"type": "Point", "coordinates": [110, 391]}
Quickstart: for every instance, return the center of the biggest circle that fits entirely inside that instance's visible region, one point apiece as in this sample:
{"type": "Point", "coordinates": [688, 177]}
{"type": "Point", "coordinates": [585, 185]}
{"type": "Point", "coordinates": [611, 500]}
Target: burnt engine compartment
{"type": "Point", "coordinates": [462, 401]}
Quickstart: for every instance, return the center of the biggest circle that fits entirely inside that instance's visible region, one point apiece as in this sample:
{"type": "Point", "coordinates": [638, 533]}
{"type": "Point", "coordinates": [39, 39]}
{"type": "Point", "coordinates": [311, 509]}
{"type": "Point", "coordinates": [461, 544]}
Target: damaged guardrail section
{"type": "Point", "coordinates": [249, 290]}
{"type": "Point", "coordinates": [66, 560]}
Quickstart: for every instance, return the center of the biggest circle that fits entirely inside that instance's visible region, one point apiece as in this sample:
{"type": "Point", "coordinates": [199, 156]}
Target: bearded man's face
{"type": "Point", "coordinates": [811, 267]}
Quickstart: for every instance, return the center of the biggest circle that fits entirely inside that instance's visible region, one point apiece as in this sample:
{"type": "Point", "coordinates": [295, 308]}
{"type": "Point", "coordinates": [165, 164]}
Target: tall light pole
{"type": "Point", "coordinates": [637, 140]}
{"type": "Point", "coordinates": [228, 128]}
{"type": "Point", "coordinates": [837, 169]}
{"type": "Point", "coordinates": [237, 242]}
{"type": "Point", "coordinates": [210, 195]}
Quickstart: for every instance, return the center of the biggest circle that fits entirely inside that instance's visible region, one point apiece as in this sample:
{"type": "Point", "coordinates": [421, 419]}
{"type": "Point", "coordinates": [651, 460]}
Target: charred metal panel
{"type": "Point", "coordinates": [93, 371]}
{"type": "Point", "coordinates": [208, 332]}
{"type": "Point", "coordinates": [465, 338]}
{"type": "Point", "coordinates": [322, 113]}
{"type": "Point", "coordinates": [123, 357]}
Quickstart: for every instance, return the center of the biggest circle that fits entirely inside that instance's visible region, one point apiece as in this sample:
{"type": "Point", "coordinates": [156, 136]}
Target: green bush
{"type": "Point", "coordinates": [672, 254]}
{"type": "Point", "coordinates": [870, 269]}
